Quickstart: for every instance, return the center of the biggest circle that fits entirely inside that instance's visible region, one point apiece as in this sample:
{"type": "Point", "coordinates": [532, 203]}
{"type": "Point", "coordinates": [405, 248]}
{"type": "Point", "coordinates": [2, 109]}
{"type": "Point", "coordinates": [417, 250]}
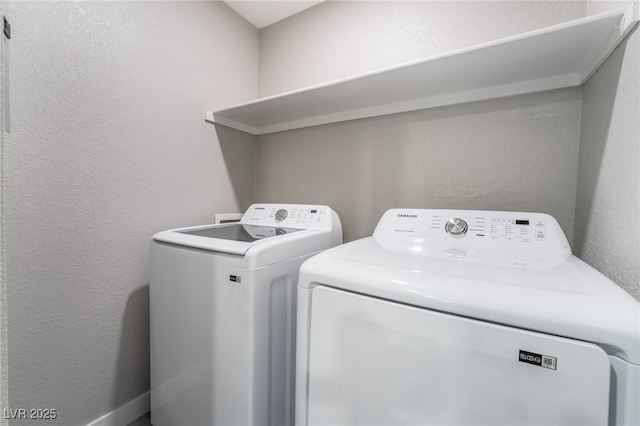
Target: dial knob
{"type": "Point", "coordinates": [281, 215]}
{"type": "Point", "coordinates": [456, 227]}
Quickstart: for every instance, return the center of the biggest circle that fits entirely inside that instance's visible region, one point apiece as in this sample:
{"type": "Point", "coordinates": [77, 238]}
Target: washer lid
{"type": "Point", "coordinates": [239, 232]}
{"type": "Point", "coordinates": [529, 287]}
{"type": "Point", "coordinates": [235, 238]}
{"type": "Point", "coordinates": [259, 224]}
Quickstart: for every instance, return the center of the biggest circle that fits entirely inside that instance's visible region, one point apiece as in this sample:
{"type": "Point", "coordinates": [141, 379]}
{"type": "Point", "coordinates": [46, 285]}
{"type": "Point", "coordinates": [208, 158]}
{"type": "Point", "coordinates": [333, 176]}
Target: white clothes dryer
{"type": "Point", "coordinates": [222, 315]}
{"type": "Point", "coordinates": [464, 318]}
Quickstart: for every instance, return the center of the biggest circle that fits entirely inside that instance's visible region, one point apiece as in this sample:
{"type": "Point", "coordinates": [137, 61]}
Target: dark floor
{"type": "Point", "coordinates": [142, 421]}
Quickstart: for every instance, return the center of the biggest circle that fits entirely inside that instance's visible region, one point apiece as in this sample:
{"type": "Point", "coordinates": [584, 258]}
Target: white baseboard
{"type": "Point", "coordinates": [126, 413]}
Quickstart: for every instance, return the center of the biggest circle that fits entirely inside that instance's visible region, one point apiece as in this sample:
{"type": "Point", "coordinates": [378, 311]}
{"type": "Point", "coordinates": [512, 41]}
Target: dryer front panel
{"type": "Point", "coordinates": [374, 362]}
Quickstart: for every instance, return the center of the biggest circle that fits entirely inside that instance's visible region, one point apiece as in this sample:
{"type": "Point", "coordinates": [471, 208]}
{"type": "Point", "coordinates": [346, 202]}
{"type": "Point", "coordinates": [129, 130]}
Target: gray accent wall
{"type": "Point", "coordinates": [518, 154]}
{"type": "Point", "coordinates": [109, 145]}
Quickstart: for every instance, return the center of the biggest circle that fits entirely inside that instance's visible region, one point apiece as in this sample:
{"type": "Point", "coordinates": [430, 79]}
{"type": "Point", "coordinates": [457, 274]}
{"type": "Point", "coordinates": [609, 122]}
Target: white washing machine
{"type": "Point", "coordinates": [464, 318]}
{"type": "Point", "coordinates": [222, 301]}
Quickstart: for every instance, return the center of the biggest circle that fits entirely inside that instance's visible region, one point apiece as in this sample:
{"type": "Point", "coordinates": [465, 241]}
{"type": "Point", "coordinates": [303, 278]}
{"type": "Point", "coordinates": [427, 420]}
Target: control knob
{"type": "Point", "coordinates": [281, 215]}
{"type": "Point", "coordinates": [456, 227]}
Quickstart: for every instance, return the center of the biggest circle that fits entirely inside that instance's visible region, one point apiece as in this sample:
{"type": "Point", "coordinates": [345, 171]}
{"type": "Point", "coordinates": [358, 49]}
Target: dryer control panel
{"type": "Point", "coordinates": [491, 228]}
{"type": "Point", "coordinates": [299, 216]}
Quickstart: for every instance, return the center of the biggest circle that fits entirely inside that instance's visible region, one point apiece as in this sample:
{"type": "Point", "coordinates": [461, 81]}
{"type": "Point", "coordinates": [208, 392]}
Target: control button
{"type": "Point", "coordinates": [281, 215]}
{"type": "Point", "coordinates": [456, 227]}
{"type": "Point", "coordinates": [540, 223]}
{"type": "Point", "coordinates": [541, 234]}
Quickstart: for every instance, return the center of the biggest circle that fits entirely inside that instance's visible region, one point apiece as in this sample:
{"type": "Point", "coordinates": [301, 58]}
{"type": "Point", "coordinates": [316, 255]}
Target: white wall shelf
{"type": "Point", "coordinates": [557, 57]}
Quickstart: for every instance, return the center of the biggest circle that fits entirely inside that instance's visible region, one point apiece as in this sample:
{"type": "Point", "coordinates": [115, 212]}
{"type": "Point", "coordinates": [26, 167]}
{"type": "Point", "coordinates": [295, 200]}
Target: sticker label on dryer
{"type": "Point", "coordinates": [538, 359]}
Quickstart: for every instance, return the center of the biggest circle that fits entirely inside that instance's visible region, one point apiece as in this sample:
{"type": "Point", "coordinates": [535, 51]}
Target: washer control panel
{"type": "Point", "coordinates": [515, 229]}
{"type": "Point", "coordinates": [301, 216]}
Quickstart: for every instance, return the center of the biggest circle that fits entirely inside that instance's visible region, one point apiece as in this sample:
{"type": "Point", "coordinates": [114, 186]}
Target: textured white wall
{"type": "Point", "coordinates": [4, 371]}
{"type": "Point", "coordinates": [607, 229]}
{"type": "Point", "coordinates": [337, 39]}
{"type": "Point", "coordinates": [109, 146]}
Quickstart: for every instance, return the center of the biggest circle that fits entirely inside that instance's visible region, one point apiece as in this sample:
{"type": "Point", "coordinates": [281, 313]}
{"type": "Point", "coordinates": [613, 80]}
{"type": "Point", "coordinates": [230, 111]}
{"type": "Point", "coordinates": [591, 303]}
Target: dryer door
{"type": "Point", "coordinates": [373, 362]}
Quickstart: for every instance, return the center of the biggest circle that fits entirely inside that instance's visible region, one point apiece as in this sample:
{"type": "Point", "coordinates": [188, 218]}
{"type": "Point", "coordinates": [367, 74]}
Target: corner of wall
{"type": "Point", "coordinates": [608, 190]}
